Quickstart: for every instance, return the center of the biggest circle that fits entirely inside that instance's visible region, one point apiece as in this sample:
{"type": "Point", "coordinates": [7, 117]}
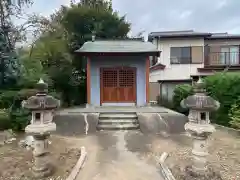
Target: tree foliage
{"type": "Point", "coordinates": [181, 92]}
{"type": "Point", "coordinates": [234, 114]}
{"type": "Point", "coordinates": [10, 68]}
{"type": "Point", "coordinates": [9, 64]}
{"type": "Point", "coordinates": [9, 10]}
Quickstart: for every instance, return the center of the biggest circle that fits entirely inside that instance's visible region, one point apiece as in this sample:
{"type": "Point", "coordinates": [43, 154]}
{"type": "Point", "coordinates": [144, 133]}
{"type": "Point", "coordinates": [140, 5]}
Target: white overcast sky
{"type": "Point", "coordinates": [161, 15]}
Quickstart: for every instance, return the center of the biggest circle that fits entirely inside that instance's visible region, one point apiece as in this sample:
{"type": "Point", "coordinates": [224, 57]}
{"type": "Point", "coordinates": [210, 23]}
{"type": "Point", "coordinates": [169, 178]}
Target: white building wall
{"type": "Point", "coordinates": [175, 71]}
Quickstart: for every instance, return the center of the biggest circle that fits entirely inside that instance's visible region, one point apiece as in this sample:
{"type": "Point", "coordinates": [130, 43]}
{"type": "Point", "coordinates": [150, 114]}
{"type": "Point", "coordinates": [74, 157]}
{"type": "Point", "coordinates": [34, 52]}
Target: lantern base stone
{"type": "Point", "coordinates": [199, 134]}
{"type": "Point", "coordinates": [42, 165]}
{"type": "Point", "coordinates": [42, 172]}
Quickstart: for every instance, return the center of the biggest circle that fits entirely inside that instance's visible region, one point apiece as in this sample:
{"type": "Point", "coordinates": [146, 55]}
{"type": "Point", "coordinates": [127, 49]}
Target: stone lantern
{"type": "Point", "coordinates": [199, 105]}
{"type": "Point", "coordinates": [42, 106]}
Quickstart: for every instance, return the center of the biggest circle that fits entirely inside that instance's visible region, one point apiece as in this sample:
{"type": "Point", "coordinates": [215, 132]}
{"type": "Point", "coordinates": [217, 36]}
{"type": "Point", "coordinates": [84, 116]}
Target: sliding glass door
{"type": "Point", "coordinates": [234, 55]}
{"type": "Point", "coordinates": [229, 55]}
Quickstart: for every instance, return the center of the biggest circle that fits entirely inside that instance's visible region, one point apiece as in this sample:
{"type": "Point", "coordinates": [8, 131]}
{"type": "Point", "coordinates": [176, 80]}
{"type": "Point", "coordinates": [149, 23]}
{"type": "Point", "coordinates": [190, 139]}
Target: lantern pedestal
{"type": "Point", "coordinates": [200, 134]}
{"type": "Point", "coordinates": [42, 166]}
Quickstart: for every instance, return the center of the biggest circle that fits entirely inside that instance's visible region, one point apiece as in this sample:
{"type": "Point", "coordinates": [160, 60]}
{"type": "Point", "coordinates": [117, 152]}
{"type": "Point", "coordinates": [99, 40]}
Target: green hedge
{"type": "Point", "coordinates": [7, 98]}
{"type": "Point", "coordinates": [181, 92]}
{"type": "Point", "coordinates": [4, 119]}
{"type": "Point", "coordinates": [224, 87]}
{"type": "Point", "coordinates": [234, 114]}
{"type": "Point", "coordinates": [19, 118]}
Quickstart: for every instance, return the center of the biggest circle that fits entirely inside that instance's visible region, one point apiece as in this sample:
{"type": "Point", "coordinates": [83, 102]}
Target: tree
{"type": "Point", "coordinates": [88, 17]}
{"type": "Point", "coordinates": [9, 65]}
{"type": "Point", "coordinates": [85, 18]}
{"type": "Point", "coordinates": [10, 9]}
{"type": "Point", "coordinates": [32, 70]}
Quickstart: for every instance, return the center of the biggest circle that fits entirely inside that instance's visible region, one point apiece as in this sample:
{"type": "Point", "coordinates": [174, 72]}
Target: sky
{"type": "Point", "coordinates": [164, 15]}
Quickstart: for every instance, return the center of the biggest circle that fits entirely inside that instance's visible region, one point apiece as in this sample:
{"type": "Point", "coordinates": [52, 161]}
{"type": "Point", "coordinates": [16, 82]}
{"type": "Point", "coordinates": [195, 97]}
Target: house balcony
{"type": "Point", "coordinates": [221, 60]}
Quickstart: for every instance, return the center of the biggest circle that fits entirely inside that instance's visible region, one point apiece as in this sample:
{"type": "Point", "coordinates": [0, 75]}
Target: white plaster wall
{"type": "Point", "coordinates": [175, 71]}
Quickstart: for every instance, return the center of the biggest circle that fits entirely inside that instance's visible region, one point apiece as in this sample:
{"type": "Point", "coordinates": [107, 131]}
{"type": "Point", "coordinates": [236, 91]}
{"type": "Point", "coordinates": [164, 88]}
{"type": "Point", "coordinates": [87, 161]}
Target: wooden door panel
{"type": "Point", "coordinates": [126, 85]}
{"type": "Point", "coordinates": [109, 83]}
{"type": "Point", "coordinates": [126, 95]}
{"type": "Point", "coordinates": [118, 84]}
{"type": "Point", "coordinates": [110, 94]}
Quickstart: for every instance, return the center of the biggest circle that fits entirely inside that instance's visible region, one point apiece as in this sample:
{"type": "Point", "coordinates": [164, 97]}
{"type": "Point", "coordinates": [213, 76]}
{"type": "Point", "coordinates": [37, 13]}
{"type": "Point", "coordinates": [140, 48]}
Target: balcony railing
{"type": "Point", "coordinates": [223, 59]}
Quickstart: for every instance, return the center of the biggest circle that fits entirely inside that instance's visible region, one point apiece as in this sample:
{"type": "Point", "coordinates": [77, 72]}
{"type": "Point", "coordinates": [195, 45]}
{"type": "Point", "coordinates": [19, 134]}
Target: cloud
{"type": "Point", "coordinates": [185, 14]}
{"type": "Point", "coordinates": [200, 15]}
{"type": "Point", "coordinates": [159, 15]}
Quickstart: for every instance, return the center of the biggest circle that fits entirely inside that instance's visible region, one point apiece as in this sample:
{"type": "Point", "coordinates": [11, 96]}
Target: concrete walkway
{"type": "Point", "coordinates": [112, 155]}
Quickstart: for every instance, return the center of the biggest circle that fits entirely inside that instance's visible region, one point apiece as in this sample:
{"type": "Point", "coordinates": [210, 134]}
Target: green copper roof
{"type": "Point", "coordinates": [119, 46]}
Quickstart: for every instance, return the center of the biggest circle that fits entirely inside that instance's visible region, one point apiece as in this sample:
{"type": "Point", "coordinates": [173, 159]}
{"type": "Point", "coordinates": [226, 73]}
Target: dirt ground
{"type": "Point", "coordinates": [224, 152]}
{"type": "Point", "coordinates": [16, 162]}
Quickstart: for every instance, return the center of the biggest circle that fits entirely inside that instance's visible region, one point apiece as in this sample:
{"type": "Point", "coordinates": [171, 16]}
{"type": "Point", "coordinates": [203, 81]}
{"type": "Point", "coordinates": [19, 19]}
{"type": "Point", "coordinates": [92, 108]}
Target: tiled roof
{"type": "Point", "coordinates": [119, 46]}
{"type": "Point", "coordinates": [178, 33]}
{"type": "Point", "coordinates": [224, 36]}
{"type": "Point", "coordinates": [191, 33]}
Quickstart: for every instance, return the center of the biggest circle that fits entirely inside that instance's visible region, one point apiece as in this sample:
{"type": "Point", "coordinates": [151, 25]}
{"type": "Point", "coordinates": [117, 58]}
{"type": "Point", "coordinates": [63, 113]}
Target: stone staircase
{"type": "Point", "coordinates": [118, 121]}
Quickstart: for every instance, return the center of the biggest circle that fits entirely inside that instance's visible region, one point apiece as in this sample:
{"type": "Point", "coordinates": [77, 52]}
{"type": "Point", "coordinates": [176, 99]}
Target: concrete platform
{"type": "Point", "coordinates": [152, 120]}
{"type": "Point", "coordinates": [118, 109]}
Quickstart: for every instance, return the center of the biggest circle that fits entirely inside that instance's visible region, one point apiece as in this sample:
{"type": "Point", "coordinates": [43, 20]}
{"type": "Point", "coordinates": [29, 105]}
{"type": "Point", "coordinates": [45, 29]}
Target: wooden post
{"type": "Point", "coordinates": [88, 81]}
{"type": "Point", "coordinates": [147, 79]}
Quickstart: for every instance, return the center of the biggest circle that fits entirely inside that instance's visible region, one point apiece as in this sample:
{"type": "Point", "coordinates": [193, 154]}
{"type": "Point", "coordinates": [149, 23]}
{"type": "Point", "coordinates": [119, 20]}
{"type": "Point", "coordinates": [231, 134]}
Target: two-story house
{"type": "Point", "coordinates": [186, 55]}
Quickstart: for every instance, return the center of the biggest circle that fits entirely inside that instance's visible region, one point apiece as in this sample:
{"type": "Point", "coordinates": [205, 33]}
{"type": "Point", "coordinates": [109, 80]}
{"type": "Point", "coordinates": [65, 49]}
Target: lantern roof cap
{"type": "Point", "coordinates": [200, 101]}
{"type": "Point", "coordinates": [41, 101]}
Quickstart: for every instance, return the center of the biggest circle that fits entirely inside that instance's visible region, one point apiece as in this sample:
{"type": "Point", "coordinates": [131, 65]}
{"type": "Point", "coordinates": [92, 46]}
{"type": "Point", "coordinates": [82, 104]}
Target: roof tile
{"type": "Point", "coordinates": [117, 46]}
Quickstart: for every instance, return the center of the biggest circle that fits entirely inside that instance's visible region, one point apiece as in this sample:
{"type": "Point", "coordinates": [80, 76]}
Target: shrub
{"type": "Point", "coordinates": [57, 95]}
{"type": "Point", "coordinates": [26, 93]}
{"type": "Point", "coordinates": [7, 98]}
{"type": "Point", "coordinates": [20, 118]}
{"type": "Point", "coordinates": [234, 114]}
{"type": "Point", "coordinates": [224, 87]}
{"type": "Point", "coordinates": [181, 92]}
{"type": "Point", "coordinates": [4, 119]}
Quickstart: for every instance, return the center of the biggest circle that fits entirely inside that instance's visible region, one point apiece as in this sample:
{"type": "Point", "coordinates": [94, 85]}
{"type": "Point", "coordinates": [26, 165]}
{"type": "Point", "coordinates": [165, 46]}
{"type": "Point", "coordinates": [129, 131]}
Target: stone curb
{"type": "Point", "coordinates": [78, 165]}
{"type": "Point", "coordinates": [166, 173]}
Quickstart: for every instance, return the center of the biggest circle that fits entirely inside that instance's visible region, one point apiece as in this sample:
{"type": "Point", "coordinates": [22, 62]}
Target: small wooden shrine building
{"type": "Point", "coordinates": [118, 71]}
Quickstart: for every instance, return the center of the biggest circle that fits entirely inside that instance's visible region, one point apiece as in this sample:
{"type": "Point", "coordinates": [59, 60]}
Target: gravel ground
{"type": "Point", "coordinates": [16, 162]}
{"type": "Point", "coordinates": [224, 152]}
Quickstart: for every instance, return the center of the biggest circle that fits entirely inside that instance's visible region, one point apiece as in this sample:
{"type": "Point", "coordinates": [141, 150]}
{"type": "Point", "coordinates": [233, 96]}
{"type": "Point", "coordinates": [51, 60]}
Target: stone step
{"type": "Point", "coordinates": [117, 127]}
{"type": "Point", "coordinates": [117, 116]}
{"type": "Point", "coordinates": [117, 121]}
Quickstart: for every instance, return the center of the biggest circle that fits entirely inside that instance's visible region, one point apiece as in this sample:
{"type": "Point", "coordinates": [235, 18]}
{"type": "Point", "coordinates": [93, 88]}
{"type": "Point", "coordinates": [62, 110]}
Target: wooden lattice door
{"type": "Point", "coordinates": [109, 83]}
{"type": "Point", "coordinates": [126, 85]}
{"type": "Point", "coordinates": [118, 84]}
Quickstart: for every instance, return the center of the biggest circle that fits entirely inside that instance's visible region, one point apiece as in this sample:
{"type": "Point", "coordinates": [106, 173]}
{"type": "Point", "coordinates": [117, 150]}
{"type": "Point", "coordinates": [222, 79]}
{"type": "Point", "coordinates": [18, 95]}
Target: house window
{"type": "Point", "coordinates": [180, 55]}
{"type": "Point", "coordinates": [229, 55]}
